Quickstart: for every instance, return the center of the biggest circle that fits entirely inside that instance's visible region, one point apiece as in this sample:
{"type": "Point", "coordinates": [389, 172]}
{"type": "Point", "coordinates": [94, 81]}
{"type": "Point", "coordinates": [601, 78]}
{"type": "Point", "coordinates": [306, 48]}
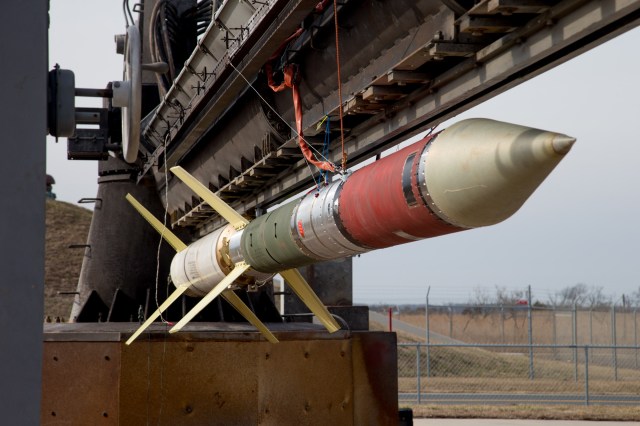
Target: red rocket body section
{"type": "Point", "coordinates": [381, 205]}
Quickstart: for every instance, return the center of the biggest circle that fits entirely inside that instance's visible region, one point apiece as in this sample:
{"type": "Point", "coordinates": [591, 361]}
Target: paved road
{"type": "Point", "coordinates": [417, 332]}
{"type": "Point", "coordinates": [502, 422]}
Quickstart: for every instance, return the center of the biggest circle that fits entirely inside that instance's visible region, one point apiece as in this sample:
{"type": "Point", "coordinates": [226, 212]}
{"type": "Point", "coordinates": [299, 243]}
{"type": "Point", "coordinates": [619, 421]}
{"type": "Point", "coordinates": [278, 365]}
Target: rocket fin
{"type": "Point", "coordinates": [169, 236]}
{"type": "Point", "coordinates": [244, 310]}
{"type": "Point", "coordinates": [219, 288]}
{"type": "Point", "coordinates": [174, 296]}
{"type": "Point", "coordinates": [302, 288]}
{"type": "Point", "coordinates": [224, 209]}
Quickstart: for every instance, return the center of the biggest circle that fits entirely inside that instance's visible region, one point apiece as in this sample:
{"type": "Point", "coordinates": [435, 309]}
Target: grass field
{"type": "Point", "coordinates": [510, 325]}
{"type": "Point", "coordinates": [66, 225]}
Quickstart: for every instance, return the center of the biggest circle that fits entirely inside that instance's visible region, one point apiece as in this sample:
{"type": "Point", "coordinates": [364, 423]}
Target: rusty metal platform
{"type": "Point", "coordinates": [217, 374]}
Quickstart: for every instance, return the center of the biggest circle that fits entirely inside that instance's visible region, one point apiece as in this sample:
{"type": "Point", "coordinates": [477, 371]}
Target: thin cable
{"type": "Point", "coordinates": [124, 11]}
{"type": "Point", "coordinates": [280, 117]}
{"type": "Point", "coordinates": [133, 21]}
{"type": "Point", "coordinates": [164, 223]}
{"type": "Point", "coordinates": [335, 20]}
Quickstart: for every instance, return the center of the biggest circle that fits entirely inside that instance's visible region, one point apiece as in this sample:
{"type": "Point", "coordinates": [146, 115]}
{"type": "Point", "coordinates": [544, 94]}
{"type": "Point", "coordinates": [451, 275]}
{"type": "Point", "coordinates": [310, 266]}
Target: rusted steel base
{"type": "Point", "coordinates": [217, 374]}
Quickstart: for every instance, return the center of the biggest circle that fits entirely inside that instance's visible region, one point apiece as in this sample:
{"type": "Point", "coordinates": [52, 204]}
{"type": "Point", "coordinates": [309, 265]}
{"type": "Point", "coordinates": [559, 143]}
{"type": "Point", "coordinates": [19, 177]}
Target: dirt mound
{"type": "Point", "coordinates": [66, 225]}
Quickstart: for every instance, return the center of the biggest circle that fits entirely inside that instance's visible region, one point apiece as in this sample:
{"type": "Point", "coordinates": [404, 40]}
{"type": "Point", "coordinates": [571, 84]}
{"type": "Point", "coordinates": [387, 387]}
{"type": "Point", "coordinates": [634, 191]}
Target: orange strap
{"type": "Point", "coordinates": [289, 77]}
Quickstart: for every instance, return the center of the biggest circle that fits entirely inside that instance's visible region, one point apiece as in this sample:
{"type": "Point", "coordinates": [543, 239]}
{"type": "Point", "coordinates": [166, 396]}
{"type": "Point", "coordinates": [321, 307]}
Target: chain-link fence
{"type": "Point", "coordinates": [525, 374]}
{"type": "Point", "coordinates": [521, 324]}
{"type": "Point", "coordinates": [519, 354]}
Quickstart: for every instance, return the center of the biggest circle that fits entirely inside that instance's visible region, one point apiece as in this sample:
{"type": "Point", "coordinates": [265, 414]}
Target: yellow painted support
{"type": "Point", "coordinates": [248, 314]}
{"type": "Point", "coordinates": [219, 288]}
{"type": "Point", "coordinates": [174, 296]}
{"type": "Point", "coordinates": [304, 291]}
{"type": "Point", "coordinates": [224, 209]}
{"type": "Point", "coordinates": [169, 236]}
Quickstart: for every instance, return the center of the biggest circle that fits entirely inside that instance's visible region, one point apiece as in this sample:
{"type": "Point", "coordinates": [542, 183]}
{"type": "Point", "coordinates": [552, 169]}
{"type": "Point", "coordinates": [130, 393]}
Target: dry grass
{"type": "Point", "coordinates": [534, 412]}
{"type": "Point", "coordinates": [66, 224]}
{"type": "Point", "coordinates": [549, 327]}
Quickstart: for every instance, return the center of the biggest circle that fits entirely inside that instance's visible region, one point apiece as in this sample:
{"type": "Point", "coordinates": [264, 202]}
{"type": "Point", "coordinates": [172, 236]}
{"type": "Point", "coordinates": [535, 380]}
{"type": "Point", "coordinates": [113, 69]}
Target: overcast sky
{"type": "Point", "coordinates": [580, 226]}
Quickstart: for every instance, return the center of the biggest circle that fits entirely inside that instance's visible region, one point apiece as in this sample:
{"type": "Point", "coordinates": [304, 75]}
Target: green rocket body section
{"type": "Point", "coordinates": [269, 245]}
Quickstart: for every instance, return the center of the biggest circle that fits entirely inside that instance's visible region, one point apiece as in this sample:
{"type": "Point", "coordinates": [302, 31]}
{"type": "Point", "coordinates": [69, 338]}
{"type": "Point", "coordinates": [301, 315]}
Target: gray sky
{"type": "Point", "coordinates": [581, 225]}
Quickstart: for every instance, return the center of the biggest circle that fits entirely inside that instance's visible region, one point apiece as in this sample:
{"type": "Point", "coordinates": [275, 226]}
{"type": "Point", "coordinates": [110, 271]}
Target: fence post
{"type": "Point", "coordinates": [635, 333]}
{"type": "Point", "coordinates": [502, 322]}
{"type": "Point", "coordinates": [574, 339]}
{"type": "Point", "coordinates": [450, 321]}
{"type": "Point", "coordinates": [591, 326]}
{"type": "Point", "coordinates": [586, 374]}
{"type": "Point", "coordinates": [426, 313]}
{"type": "Point", "coordinates": [418, 370]}
{"type": "Point", "coordinates": [614, 342]}
{"type": "Point", "coordinates": [529, 317]}
{"type": "Point", "coordinates": [555, 334]}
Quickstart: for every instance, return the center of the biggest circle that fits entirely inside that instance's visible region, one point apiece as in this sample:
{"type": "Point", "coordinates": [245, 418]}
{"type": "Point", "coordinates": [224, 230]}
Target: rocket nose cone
{"type": "Point", "coordinates": [562, 144]}
{"type": "Point", "coordinates": [479, 172]}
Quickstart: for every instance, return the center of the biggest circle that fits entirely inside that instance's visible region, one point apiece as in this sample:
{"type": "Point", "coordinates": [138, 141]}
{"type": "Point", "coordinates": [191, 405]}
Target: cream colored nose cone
{"type": "Point", "coordinates": [479, 172]}
{"type": "Point", "coordinates": [562, 144]}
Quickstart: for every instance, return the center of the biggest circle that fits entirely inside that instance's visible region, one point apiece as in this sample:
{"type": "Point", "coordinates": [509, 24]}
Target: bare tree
{"type": "Point", "coordinates": [581, 295]}
{"type": "Point", "coordinates": [505, 296]}
{"type": "Point", "coordinates": [597, 299]}
{"type": "Point", "coordinates": [635, 297]}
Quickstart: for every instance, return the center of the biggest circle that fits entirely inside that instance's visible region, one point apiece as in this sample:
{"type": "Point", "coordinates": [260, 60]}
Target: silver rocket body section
{"type": "Point", "coordinates": [316, 226]}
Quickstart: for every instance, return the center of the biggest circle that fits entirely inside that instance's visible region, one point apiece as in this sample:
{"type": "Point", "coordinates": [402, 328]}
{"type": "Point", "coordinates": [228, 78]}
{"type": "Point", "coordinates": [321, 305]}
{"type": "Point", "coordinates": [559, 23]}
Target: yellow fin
{"type": "Point", "coordinates": [244, 310]}
{"type": "Point", "coordinates": [219, 288]}
{"type": "Point", "coordinates": [169, 236]}
{"type": "Point", "coordinates": [225, 210]}
{"type": "Point", "coordinates": [304, 291]}
{"type": "Point", "coordinates": [174, 296]}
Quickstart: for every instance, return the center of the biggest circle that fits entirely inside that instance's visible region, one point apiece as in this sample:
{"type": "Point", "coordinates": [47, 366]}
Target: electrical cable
{"type": "Point", "coordinates": [335, 19]}
{"type": "Point", "coordinates": [124, 11]}
{"type": "Point", "coordinates": [128, 10]}
{"type": "Point", "coordinates": [281, 118]}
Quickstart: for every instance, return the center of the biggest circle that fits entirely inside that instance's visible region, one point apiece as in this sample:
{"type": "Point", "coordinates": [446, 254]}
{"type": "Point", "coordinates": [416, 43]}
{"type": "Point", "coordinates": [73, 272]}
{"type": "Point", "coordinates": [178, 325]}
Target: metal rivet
{"type": "Point", "coordinates": [106, 358]}
{"type": "Point", "coordinates": [188, 409]}
{"type": "Point", "coordinates": [306, 354]}
{"type": "Point", "coordinates": [266, 356]}
{"type": "Point", "coordinates": [55, 358]}
{"type": "Point", "coordinates": [105, 414]}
